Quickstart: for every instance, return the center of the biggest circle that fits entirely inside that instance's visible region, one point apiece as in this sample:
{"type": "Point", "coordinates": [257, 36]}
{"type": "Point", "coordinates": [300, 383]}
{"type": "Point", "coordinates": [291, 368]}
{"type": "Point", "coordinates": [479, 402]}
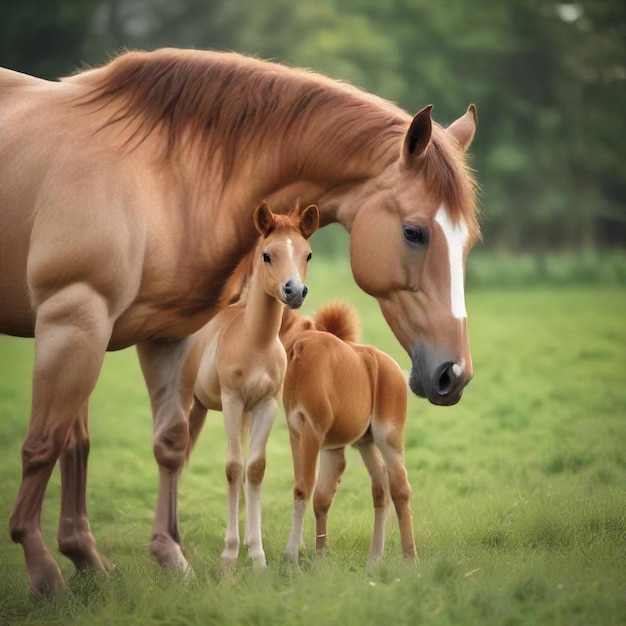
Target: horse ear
{"type": "Point", "coordinates": [464, 128]}
{"type": "Point", "coordinates": [263, 219]}
{"type": "Point", "coordinates": [418, 135]}
{"type": "Point", "coordinates": [309, 221]}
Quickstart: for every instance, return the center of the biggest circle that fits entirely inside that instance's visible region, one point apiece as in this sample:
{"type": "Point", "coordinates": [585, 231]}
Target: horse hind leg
{"type": "Point", "coordinates": [380, 496]}
{"type": "Point", "coordinates": [72, 331]}
{"type": "Point", "coordinates": [332, 466]}
{"type": "Point", "coordinates": [391, 446]}
{"type": "Point", "coordinates": [76, 541]}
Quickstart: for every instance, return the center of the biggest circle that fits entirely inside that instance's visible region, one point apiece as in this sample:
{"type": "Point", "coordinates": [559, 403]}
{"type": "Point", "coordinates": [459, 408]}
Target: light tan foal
{"type": "Point", "coordinates": [237, 363]}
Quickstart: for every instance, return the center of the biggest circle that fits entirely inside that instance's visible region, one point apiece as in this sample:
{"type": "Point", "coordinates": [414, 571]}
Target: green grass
{"type": "Point", "coordinates": [518, 492]}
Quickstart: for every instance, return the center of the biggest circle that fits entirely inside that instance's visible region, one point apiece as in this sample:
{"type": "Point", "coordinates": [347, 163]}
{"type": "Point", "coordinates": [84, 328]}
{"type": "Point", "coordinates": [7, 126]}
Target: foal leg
{"type": "Point", "coordinates": [75, 539]}
{"type": "Point", "coordinates": [161, 363]}
{"type": "Point", "coordinates": [391, 448]}
{"type": "Point", "coordinates": [306, 448]}
{"type": "Point", "coordinates": [72, 331]}
{"type": "Point", "coordinates": [380, 495]}
{"type": "Point", "coordinates": [332, 466]}
{"type": "Point", "coordinates": [233, 409]}
{"type": "Point", "coordinates": [263, 415]}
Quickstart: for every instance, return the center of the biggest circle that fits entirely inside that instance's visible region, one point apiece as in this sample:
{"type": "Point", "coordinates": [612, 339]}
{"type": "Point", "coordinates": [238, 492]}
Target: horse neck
{"type": "Point", "coordinates": [262, 315]}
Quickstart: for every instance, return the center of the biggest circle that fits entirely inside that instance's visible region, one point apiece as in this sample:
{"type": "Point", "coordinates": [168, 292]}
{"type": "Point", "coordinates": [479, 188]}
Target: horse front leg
{"type": "Point", "coordinates": [75, 539]}
{"type": "Point", "coordinates": [332, 466]}
{"type": "Point", "coordinates": [263, 416]}
{"type": "Point", "coordinates": [72, 331]}
{"type": "Point", "coordinates": [161, 363]}
{"type": "Point", "coordinates": [233, 411]}
{"type": "Point", "coordinates": [306, 447]}
{"type": "Point", "coordinates": [380, 496]}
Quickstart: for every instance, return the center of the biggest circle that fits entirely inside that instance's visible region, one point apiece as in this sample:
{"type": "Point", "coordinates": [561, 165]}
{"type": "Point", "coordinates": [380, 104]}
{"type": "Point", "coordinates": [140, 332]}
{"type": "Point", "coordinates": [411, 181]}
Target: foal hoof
{"type": "Point", "coordinates": [258, 562]}
{"type": "Point", "coordinates": [228, 564]}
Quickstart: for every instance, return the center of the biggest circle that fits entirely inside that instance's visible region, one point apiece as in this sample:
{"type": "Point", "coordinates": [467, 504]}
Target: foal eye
{"type": "Point", "coordinates": [266, 257]}
{"type": "Point", "coordinates": [308, 258]}
{"type": "Point", "coordinates": [414, 234]}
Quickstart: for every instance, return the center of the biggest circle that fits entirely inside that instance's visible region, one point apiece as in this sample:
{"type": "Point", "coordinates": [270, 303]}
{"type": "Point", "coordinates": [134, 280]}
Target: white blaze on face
{"type": "Point", "coordinates": [290, 252]}
{"type": "Point", "coordinates": [456, 238]}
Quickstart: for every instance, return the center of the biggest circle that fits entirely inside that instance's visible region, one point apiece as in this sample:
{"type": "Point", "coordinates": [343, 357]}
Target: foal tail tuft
{"type": "Point", "coordinates": [341, 319]}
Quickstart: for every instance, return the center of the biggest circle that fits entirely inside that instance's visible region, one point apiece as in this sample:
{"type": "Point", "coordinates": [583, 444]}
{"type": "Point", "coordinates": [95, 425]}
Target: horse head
{"type": "Point", "coordinates": [409, 242]}
{"type": "Point", "coordinates": [285, 251]}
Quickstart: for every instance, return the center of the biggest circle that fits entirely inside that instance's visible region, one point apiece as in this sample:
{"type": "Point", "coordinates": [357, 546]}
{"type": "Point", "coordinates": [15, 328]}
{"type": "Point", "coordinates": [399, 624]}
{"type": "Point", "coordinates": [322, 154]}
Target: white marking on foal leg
{"type": "Point", "coordinates": [456, 238]}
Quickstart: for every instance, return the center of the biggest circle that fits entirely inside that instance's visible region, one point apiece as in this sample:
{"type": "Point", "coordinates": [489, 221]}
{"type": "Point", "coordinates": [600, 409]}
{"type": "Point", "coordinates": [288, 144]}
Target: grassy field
{"type": "Point", "coordinates": [518, 492]}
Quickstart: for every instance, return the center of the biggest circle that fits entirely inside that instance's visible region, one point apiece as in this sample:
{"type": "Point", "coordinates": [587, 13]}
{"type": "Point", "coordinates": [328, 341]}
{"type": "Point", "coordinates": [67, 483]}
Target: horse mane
{"type": "Point", "coordinates": [229, 103]}
{"type": "Point", "coordinates": [340, 319]}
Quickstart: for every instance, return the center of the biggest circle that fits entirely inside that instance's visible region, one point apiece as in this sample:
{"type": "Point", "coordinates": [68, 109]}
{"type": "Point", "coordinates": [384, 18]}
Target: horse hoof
{"type": "Point", "coordinates": [258, 562]}
{"type": "Point", "coordinates": [46, 581]}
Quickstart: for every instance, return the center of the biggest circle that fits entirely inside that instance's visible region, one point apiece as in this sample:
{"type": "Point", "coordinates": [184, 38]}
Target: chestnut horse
{"type": "Point", "coordinates": [126, 198]}
{"type": "Point", "coordinates": [236, 364]}
{"type": "Point", "coordinates": [339, 393]}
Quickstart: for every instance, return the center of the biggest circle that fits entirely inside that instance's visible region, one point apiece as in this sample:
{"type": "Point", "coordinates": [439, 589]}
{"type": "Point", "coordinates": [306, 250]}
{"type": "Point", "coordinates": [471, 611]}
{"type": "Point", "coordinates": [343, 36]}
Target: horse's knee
{"type": "Point", "coordinates": [256, 471]}
{"type": "Point", "coordinates": [302, 492]}
{"type": "Point", "coordinates": [39, 453]}
{"type": "Point", "coordinates": [322, 501]}
{"type": "Point", "coordinates": [379, 495]}
{"type": "Point", "coordinates": [234, 472]}
{"type": "Point", "coordinates": [170, 444]}
{"type": "Point", "coordinates": [76, 543]}
{"type": "Point", "coordinates": [400, 489]}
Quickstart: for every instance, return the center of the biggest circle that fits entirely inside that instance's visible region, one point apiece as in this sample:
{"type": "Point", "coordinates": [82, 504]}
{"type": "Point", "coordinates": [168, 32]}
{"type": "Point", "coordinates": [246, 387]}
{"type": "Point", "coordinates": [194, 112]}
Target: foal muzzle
{"type": "Point", "coordinates": [294, 292]}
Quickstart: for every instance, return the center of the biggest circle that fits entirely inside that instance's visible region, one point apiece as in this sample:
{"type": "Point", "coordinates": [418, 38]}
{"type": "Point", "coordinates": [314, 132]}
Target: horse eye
{"type": "Point", "coordinates": [309, 256]}
{"type": "Point", "coordinates": [266, 258]}
{"type": "Point", "coordinates": [413, 234]}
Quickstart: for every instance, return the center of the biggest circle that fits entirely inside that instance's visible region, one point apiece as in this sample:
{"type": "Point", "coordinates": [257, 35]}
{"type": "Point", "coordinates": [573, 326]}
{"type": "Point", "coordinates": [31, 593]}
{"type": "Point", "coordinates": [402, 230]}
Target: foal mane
{"type": "Point", "coordinates": [229, 104]}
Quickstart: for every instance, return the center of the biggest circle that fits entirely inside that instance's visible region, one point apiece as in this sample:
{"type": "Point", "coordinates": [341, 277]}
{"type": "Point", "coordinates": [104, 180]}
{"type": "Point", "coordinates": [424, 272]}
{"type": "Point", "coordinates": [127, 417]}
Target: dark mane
{"type": "Point", "coordinates": [228, 103]}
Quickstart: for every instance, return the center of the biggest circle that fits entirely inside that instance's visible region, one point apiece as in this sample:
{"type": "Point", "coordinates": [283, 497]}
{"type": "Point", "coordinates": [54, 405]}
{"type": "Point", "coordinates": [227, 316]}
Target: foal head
{"type": "Point", "coordinates": [409, 243]}
{"type": "Point", "coordinates": [284, 252]}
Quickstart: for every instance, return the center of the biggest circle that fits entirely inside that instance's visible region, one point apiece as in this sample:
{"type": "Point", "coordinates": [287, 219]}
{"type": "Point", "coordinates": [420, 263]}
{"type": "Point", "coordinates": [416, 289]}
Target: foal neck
{"type": "Point", "coordinates": [262, 315]}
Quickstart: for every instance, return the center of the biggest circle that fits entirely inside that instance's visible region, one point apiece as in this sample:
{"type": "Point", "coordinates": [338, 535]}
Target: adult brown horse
{"type": "Point", "coordinates": [126, 197]}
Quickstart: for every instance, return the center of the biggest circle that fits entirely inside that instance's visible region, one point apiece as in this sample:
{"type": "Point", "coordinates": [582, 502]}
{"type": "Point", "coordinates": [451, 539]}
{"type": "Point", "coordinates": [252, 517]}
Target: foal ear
{"type": "Point", "coordinates": [418, 135]}
{"type": "Point", "coordinates": [263, 219]}
{"type": "Point", "coordinates": [309, 220]}
{"type": "Point", "coordinates": [464, 128]}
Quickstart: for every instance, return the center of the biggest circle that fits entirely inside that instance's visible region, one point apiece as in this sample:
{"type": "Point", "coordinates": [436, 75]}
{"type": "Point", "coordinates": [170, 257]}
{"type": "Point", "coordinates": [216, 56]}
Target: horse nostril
{"type": "Point", "coordinates": [305, 290]}
{"type": "Point", "coordinates": [287, 289]}
{"type": "Point", "coordinates": [447, 378]}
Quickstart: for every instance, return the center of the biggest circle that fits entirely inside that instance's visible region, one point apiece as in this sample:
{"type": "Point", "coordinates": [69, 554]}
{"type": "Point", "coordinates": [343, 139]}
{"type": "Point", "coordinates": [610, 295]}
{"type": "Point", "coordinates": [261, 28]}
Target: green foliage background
{"type": "Point", "coordinates": [548, 76]}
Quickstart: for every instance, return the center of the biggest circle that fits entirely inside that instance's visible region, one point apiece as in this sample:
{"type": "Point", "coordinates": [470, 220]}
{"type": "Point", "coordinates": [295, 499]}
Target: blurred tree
{"type": "Point", "coordinates": [548, 76]}
{"type": "Point", "coordinates": [44, 38]}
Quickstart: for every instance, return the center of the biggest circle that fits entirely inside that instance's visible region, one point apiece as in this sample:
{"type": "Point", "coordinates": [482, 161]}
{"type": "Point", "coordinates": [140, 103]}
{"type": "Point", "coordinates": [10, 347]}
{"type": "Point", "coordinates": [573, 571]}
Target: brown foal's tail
{"type": "Point", "coordinates": [340, 319]}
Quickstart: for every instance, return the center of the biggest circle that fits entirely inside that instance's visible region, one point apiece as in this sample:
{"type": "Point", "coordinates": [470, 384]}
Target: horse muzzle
{"type": "Point", "coordinates": [294, 292]}
{"type": "Point", "coordinates": [439, 379]}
